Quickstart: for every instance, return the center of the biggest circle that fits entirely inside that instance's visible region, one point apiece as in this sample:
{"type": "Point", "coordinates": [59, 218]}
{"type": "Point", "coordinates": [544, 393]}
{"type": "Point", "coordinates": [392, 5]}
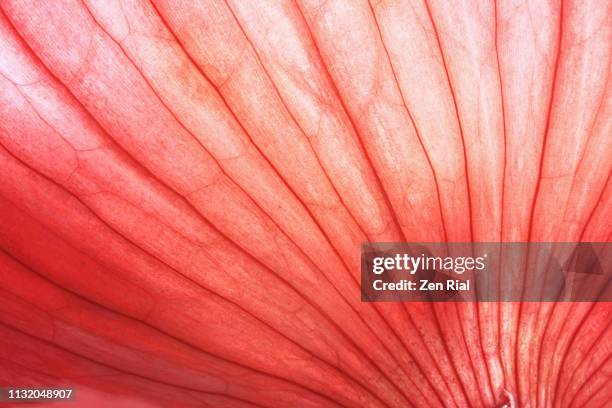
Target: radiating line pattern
{"type": "Point", "coordinates": [185, 185]}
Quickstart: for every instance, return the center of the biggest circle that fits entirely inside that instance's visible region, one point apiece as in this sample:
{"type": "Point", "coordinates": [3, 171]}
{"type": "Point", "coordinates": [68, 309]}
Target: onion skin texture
{"type": "Point", "coordinates": [185, 186]}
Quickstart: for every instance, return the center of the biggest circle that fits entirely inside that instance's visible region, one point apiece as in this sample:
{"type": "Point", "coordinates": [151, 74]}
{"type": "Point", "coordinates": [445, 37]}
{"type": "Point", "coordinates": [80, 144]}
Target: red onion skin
{"type": "Point", "coordinates": [184, 188]}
